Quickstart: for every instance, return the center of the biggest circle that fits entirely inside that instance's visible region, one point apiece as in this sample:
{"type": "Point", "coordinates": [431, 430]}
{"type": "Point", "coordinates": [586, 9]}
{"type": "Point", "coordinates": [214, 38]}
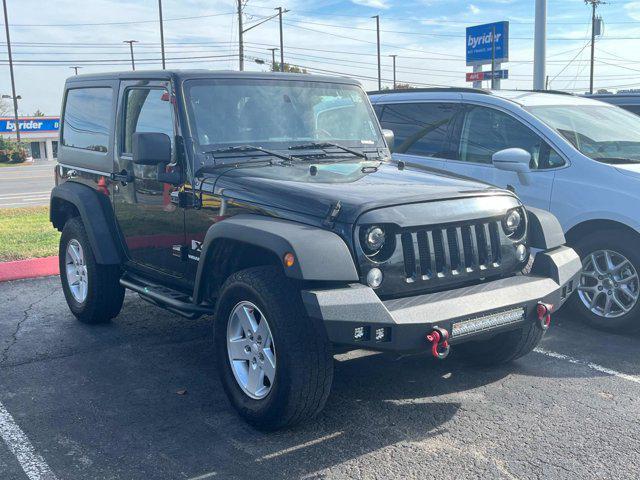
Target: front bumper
{"type": "Point", "coordinates": [356, 316]}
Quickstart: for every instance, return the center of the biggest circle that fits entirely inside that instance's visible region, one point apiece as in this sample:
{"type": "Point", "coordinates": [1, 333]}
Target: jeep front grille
{"type": "Point", "coordinates": [451, 251]}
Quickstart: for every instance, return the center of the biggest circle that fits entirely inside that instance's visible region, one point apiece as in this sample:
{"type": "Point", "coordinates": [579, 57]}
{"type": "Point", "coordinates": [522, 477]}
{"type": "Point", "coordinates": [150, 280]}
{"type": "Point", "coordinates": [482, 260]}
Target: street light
{"type": "Point", "coordinates": [131, 42]}
{"type": "Point", "coordinates": [75, 69]}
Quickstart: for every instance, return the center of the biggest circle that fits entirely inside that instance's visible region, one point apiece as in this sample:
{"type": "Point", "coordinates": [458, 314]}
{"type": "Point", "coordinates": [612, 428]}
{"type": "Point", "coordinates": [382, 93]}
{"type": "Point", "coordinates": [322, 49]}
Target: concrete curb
{"type": "Point", "coordinates": [31, 268]}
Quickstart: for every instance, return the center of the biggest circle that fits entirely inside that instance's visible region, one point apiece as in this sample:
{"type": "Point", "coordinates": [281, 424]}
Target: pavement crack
{"type": "Point", "coordinates": [14, 336]}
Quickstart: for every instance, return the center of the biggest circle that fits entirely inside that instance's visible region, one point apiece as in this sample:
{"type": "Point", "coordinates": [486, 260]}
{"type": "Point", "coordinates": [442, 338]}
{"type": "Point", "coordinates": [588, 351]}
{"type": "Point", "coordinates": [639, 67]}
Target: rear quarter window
{"type": "Point", "coordinates": [87, 118]}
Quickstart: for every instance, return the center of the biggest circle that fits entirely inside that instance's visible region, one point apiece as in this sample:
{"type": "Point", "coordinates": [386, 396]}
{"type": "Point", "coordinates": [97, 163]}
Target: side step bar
{"type": "Point", "coordinates": [167, 298]}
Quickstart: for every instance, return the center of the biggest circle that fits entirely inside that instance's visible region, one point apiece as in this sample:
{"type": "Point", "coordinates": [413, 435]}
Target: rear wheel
{"type": "Point", "coordinates": [274, 361]}
{"type": "Point", "coordinates": [609, 286]}
{"type": "Point", "coordinates": [504, 347]}
{"type": "Point", "coordinates": [92, 291]}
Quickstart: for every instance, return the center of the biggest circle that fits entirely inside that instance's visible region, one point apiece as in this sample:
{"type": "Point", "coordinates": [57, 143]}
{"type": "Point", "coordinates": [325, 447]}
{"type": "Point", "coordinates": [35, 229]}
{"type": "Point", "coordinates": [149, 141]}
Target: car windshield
{"type": "Point", "coordinates": [278, 114]}
{"type": "Point", "coordinates": [602, 132]}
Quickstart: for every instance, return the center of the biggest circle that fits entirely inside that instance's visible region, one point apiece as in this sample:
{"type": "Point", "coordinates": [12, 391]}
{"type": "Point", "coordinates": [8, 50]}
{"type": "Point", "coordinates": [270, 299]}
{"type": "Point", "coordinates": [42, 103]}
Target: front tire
{"type": "Point", "coordinates": [274, 361]}
{"type": "Point", "coordinates": [93, 291]}
{"type": "Point", "coordinates": [504, 347]}
{"type": "Point", "coordinates": [609, 286]}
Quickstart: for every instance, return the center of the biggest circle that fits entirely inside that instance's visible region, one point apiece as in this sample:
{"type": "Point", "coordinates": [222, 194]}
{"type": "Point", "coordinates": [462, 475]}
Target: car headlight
{"type": "Point", "coordinates": [512, 221]}
{"type": "Point", "coordinates": [373, 239]}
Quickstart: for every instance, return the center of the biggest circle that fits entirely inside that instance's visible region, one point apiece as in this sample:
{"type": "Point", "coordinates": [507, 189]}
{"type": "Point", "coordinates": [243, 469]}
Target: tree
{"type": "Point", "coordinates": [404, 86]}
{"type": "Point", "coordinates": [5, 108]}
{"type": "Point", "coordinates": [288, 68]}
{"type": "Point", "coordinates": [38, 113]}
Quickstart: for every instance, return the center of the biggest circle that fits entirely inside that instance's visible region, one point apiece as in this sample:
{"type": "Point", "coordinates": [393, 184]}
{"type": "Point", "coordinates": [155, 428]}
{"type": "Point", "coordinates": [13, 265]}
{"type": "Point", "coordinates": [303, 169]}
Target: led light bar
{"type": "Point", "coordinates": [487, 322]}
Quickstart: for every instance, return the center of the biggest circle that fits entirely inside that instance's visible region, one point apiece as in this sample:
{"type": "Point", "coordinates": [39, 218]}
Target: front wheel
{"type": "Point", "coordinates": [274, 361]}
{"type": "Point", "coordinates": [609, 285]}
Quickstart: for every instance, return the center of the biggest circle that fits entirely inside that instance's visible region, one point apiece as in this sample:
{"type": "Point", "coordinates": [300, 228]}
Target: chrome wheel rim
{"type": "Point", "coordinates": [76, 271]}
{"type": "Point", "coordinates": [251, 351]}
{"type": "Point", "coordinates": [609, 285]}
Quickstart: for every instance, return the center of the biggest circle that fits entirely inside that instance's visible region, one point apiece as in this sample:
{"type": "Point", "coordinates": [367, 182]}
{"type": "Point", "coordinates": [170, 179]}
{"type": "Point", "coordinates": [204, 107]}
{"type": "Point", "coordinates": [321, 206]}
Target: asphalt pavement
{"type": "Point", "coordinates": [139, 399]}
{"type": "Point", "coordinates": [26, 185]}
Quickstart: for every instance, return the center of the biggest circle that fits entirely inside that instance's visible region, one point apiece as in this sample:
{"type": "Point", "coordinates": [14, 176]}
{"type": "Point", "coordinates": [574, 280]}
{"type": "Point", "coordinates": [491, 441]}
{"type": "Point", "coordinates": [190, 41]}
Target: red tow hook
{"type": "Point", "coordinates": [439, 339]}
{"type": "Point", "coordinates": [544, 315]}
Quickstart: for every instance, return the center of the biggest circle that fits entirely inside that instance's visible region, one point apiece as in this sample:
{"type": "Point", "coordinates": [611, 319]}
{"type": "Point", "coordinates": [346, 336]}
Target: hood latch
{"type": "Point", "coordinates": [330, 220]}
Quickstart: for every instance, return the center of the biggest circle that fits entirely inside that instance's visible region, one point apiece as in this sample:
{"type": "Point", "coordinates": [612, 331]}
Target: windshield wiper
{"type": "Point", "coordinates": [252, 148]}
{"type": "Point", "coordinates": [325, 145]}
{"type": "Point", "coordinates": [616, 160]}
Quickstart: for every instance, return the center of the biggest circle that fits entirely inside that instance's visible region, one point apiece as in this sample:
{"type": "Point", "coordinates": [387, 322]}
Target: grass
{"type": "Point", "coordinates": [26, 233]}
{"type": "Point", "coordinates": [5, 164]}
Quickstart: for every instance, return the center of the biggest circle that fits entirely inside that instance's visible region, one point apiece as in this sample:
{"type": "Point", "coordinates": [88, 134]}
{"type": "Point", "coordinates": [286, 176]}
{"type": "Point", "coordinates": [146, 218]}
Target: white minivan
{"type": "Point", "coordinates": [576, 157]}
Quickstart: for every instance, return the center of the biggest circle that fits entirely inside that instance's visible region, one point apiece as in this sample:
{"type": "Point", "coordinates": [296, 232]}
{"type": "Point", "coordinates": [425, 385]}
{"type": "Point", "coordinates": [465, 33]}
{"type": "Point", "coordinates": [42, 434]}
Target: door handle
{"type": "Point", "coordinates": [123, 177]}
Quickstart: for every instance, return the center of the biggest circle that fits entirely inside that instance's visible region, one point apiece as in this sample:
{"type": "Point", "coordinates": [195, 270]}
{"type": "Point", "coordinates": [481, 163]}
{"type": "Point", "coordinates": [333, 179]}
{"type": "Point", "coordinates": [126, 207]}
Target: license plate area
{"type": "Point", "coordinates": [488, 322]}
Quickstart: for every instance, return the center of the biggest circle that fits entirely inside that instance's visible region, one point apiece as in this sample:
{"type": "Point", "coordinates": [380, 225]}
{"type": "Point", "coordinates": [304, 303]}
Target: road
{"type": "Point", "coordinates": [102, 402]}
{"type": "Point", "coordinates": [26, 185]}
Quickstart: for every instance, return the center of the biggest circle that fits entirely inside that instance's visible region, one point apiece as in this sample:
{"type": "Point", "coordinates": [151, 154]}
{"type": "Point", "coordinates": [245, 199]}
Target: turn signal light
{"type": "Point", "coordinates": [289, 259]}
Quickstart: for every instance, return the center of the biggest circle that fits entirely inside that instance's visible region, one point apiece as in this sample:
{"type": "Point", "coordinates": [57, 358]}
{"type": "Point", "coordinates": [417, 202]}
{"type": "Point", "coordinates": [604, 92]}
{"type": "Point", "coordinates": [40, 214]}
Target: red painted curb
{"type": "Point", "coordinates": [31, 268]}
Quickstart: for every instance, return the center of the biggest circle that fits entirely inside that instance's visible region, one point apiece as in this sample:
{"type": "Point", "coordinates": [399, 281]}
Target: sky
{"type": "Point", "coordinates": [324, 36]}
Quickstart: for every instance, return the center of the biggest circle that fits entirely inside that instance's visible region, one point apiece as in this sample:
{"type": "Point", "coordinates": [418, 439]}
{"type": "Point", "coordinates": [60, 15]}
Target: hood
{"type": "Point", "coordinates": [358, 186]}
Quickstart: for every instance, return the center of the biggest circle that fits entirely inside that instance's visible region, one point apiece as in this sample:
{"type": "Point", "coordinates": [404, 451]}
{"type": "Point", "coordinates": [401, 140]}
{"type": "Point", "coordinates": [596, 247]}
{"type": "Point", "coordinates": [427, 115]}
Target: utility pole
{"type": "Point", "coordinates": [131, 42]}
{"type": "Point", "coordinates": [281, 39]}
{"type": "Point", "coordinates": [540, 46]}
{"type": "Point", "coordinates": [493, 58]}
{"type": "Point", "coordinates": [161, 34]}
{"type": "Point", "coordinates": [394, 70]}
{"type": "Point", "coordinates": [594, 6]}
{"type": "Point", "coordinates": [240, 38]}
{"type": "Point", "coordinates": [75, 69]}
{"type": "Point", "coordinates": [273, 58]}
{"type": "Point", "coordinates": [13, 82]}
{"type": "Point", "coordinates": [377, 17]}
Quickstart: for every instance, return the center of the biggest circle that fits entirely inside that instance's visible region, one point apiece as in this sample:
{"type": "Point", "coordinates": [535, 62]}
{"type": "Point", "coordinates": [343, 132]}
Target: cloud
{"type": "Point", "coordinates": [473, 9]}
{"type": "Point", "coordinates": [384, 4]}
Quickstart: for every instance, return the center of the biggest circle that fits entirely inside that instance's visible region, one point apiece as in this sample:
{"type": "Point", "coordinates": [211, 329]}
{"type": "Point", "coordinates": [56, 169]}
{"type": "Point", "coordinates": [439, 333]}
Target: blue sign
{"type": "Point", "coordinates": [30, 124]}
{"type": "Point", "coordinates": [480, 43]}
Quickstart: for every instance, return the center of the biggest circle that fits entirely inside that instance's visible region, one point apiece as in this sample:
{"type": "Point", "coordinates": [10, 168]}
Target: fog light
{"type": "Point", "coordinates": [521, 253]}
{"type": "Point", "coordinates": [374, 277]}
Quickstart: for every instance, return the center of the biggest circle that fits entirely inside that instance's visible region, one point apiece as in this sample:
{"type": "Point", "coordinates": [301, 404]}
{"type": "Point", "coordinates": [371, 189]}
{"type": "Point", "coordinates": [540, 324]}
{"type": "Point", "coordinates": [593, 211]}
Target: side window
{"type": "Point", "coordinates": [146, 110]}
{"type": "Point", "coordinates": [420, 128]}
{"type": "Point", "coordinates": [487, 131]}
{"type": "Point", "coordinates": [632, 108]}
{"type": "Point", "coordinates": [87, 117]}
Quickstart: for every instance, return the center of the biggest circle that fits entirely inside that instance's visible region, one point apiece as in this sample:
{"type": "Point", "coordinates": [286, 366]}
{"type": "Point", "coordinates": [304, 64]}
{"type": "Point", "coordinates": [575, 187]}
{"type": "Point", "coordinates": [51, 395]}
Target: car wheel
{"type": "Point", "coordinates": [93, 291]}
{"type": "Point", "coordinates": [274, 361]}
{"type": "Point", "coordinates": [609, 287]}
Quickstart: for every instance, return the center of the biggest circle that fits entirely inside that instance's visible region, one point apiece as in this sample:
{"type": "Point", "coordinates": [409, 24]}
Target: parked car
{"type": "Point", "coordinates": [575, 157]}
{"type": "Point", "coordinates": [628, 101]}
{"type": "Point", "coordinates": [269, 201]}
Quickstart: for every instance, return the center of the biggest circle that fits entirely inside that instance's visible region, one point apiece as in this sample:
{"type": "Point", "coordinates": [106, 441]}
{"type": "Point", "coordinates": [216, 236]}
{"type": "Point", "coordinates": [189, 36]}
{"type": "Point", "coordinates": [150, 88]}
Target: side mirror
{"type": "Point", "coordinates": [512, 159]}
{"type": "Point", "coordinates": [389, 137]}
{"type": "Point", "coordinates": [151, 148]}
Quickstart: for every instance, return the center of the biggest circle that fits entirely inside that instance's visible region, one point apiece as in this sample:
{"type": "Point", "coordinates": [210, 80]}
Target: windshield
{"type": "Point", "coordinates": [601, 132]}
{"type": "Point", "coordinates": [279, 113]}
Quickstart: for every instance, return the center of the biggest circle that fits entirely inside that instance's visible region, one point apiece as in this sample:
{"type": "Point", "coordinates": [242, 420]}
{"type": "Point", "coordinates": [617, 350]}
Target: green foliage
{"type": "Point", "coordinates": [288, 68]}
{"type": "Point", "coordinates": [12, 152]}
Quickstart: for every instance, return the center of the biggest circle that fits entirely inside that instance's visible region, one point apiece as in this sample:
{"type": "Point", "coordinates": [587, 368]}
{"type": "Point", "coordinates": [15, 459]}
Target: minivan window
{"type": "Point", "coordinates": [486, 131]}
{"type": "Point", "coordinates": [87, 118]}
{"type": "Point", "coordinates": [420, 128]}
{"type": "Point", "coordinates": [146, 110]}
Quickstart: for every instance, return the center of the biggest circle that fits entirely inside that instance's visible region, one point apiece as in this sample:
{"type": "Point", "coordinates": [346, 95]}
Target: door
{"type": "Point", "coordinates": [152, 226]}
{"type": "Point", "coordinates": [421, 131]}
{"type": "Point", "coordinates": [485, 131]}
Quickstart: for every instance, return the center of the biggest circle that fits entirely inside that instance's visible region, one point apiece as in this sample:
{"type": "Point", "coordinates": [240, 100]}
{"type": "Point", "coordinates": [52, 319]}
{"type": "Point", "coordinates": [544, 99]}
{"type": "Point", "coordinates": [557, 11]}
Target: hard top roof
{"type": "Point", "coordinates": [202, 73]}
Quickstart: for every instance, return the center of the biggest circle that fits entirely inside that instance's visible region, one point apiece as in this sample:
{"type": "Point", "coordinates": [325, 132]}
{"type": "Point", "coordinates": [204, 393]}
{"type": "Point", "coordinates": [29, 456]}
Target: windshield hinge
{"type": "Point", "coordinates": [333, 214]}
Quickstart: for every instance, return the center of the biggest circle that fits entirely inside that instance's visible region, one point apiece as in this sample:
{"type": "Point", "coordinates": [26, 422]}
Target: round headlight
{"type": "Point", "coordinates": [512, 222]}
{"type": "Point", "coordinates": [374, 239]}
{"type": "Point", "coordinates": [374, 277]}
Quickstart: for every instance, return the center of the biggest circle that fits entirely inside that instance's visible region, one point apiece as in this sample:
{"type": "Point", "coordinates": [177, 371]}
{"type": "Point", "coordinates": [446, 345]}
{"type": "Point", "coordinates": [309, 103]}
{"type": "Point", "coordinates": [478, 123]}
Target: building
{"type": "Point", "coordinates": [39, 134]}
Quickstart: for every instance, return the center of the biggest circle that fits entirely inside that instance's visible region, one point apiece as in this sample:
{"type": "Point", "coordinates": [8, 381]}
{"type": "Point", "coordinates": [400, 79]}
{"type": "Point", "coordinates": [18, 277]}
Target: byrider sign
{"type": "Point", "coordinates": [480, 43]}
{"type": "Point", "coordinates": [30, 124]}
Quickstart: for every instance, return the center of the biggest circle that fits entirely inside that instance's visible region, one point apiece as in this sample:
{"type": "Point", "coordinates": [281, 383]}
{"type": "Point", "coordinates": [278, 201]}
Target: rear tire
{"type": "Point", "coordinates": [303, 365]}
{"type": "Point", "coordinates": [620, 244]}
{"type": "Point", "coordinates": [504, 347]}
{"type": "Point", "coordinates": [93, 291]}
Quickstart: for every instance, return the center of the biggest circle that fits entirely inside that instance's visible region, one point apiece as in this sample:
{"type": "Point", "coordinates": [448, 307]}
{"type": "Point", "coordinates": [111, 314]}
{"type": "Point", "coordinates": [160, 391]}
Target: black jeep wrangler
{"type": "Point", "coordinates": [270, 201]}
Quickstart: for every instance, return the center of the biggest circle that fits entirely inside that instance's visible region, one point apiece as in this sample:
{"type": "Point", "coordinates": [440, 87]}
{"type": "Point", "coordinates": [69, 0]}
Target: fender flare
{"type": "Point", "coordinates": [97, 216]}
{"type": "Point", "coordinates": [545, 231]}
{"type": "Point", "coordinates": [320, 255]}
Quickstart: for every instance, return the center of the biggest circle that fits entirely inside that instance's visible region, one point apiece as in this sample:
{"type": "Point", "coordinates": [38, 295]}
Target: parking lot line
{"type": "Point", "coordinates": [33, 464]}
{"type": "Point", "coordinates": [593, 366]}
